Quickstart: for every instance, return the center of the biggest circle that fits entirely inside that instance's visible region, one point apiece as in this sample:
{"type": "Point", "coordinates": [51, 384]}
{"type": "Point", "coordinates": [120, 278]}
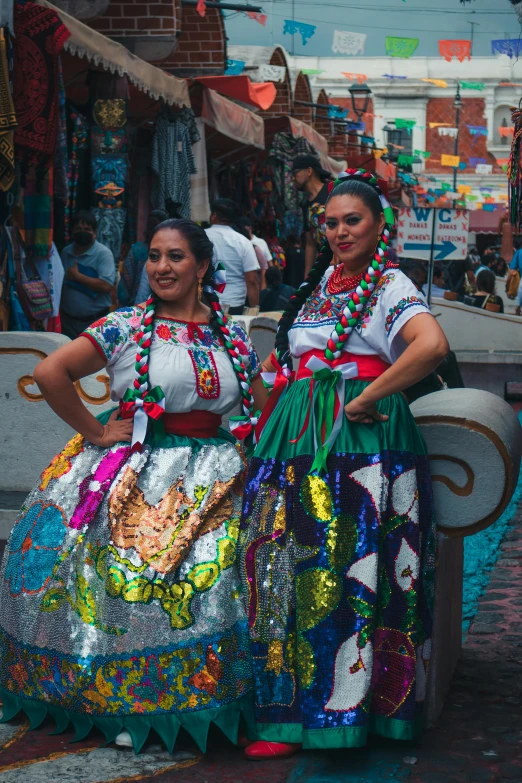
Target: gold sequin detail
{"type": "Point", "coordinates": [318, 591]}
{"type": "Point", "coordinates": [290, 475]}
{"type": "Point", "coordinates": [316, 498]}
{"type": "Point", "coordinates": [62, 464]}
{"type": "Point", "coordinates": [341, 541]}
{"type": "Point", "coordinates": [274, 659]}
{"type": "Point", "coordinates": [305, 662]}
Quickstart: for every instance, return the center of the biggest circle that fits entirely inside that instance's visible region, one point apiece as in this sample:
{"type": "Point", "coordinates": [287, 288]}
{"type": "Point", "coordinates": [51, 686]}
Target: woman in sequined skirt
{"type": "Point", "coordinates": [119, 593]}
{"type": "Point", "coordinates": [337, 536]}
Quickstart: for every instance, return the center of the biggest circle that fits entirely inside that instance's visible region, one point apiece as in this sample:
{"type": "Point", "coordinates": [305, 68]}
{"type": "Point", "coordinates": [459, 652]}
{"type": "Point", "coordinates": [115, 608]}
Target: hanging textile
{"type": "Point", "coordinates": [78, 163]}
{"type": "Point", "coordinates": [345, 42]}
{"type": "Point", "coordinates": [61, 154]}
{"type": "Point", "coordinates": [34, 217]}
{"type": "Point", "coordinates": [7, 121]}
{"type": "Point", "coordinates": [509, 46]}
{"type": "Point", "coordinates": [286, 200]}
{"type": "Point", "coordinates": [172, 163]}
{"type": "Point", "coordinates": [199, 201]}
{"type": "Point", "coordinates": [514, 171]}
{"type": "Point", "coordinates": [39, 38]}
{"type": "Point", "coordinates": [109, 230]}
{"type": "Point", "coordinates": [292, 27]}
{"type": "Point", "coordinates": [6, 14]}
{"type": "Point", "coordinates": [452, 132]}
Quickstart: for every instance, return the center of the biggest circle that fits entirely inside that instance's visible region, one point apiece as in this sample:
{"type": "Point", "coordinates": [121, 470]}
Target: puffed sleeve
{"type": "Point", "coordinates": [247, 350]}
{"type": "Point", "coordinates": [401, 300]}
{"type": "Point", "coordinates": [111, 333]}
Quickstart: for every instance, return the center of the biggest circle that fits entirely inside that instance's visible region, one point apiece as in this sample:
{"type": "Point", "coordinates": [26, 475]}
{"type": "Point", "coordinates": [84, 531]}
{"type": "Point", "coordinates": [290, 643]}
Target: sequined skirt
{"type": "Point", "coordinates": [119, 593]}
{"type": "Point", "coordinates": [338, 570]}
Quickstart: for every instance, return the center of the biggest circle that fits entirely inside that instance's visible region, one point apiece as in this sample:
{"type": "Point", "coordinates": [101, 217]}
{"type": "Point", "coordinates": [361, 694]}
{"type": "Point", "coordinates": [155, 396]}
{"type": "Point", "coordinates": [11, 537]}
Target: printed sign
{"type": "Point", "coordinates": [415, 230]}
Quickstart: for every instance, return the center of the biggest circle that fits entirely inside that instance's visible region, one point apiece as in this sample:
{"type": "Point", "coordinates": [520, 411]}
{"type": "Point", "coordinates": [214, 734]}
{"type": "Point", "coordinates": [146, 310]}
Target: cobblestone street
{"type": "Point", "coordinates": [478, 738]}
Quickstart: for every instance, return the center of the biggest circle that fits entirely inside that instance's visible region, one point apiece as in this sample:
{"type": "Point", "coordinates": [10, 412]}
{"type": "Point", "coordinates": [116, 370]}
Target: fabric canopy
{"type": "Point", "coordinates": [112, 56]}
{"type": "Point", "coordinates": [483, 222]}
{"type": "Point", "coordinates": [232, 120]}
{"type": "Point", "coordinates": [299, 128]}
{"type": "Point", "coordinates": [261, 95]}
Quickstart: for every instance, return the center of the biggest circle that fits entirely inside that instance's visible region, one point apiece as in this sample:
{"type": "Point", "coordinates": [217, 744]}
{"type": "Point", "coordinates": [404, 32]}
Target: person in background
{"type": "Point", "coordinates": [134, 265]}
{"type": "Point", "coordinates": [293, 274]}
{"type": "Point", "coordinates": [486, 291]}
{"type": "Point", "coordinates": [474, 257]}
{"type": "Point", "coordinates": [460, 271]}
{"type": "Point", "coordinates": [244, 227]}
{"type": "Point", "coordinates": [310, 176]}
{"type": "Point", "coordinates": [237, 255]}
{"type": "Point", "coordinates": [276, 294]}
{"type": "Point", "coordinates": [90, 274]}
{"type": "Point", "coordinates": [439, 284]}
{"type": "Point", "coordinates": [515, 271]}
{"type": "Point", "coordinates": [501, 267]}
{"type": "Point", "coordinates": [416, 271]}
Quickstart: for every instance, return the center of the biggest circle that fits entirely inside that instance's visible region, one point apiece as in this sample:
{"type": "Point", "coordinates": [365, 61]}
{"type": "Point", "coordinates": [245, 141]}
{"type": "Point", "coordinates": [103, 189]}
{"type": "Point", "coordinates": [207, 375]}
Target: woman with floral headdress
{"type": "Point", "coordinates": [120, 597]}
{"type": "Point", "coordinates": [337, 537]}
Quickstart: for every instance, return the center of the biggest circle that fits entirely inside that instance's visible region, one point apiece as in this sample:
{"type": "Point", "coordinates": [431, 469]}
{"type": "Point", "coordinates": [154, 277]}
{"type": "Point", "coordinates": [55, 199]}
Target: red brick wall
{"type": "Point", "coordinates": [471, 113]}
{"type": "Point", "coordinates": [283, 101]}
{"type": "Point", "coordinates": [322, 124]}
{"type": "Point", "coordinates": [302, 92]}
{"type": "Point", "coordinates": [201, 49]}
{"type": "Point", "coordinates": [133, 18]}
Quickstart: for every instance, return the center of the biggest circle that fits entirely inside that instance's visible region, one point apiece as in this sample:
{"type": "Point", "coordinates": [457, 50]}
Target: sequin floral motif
{"type": "Point", "coordinates": [395, 312]}
{"type": "Point", "coordinates": [62, 463]}
{"type": "Point", "coordinates": [34, 547]}
{"type": "Point", "coordinates": [207, 379]}
{"type": "Point", "coordinates": [208, 674]}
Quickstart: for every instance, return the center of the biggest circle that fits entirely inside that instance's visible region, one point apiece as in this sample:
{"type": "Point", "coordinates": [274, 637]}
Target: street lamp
{"type": "Point", "coordinates": [363, 92]}
{"type": "Point", "coordinates": [458, 105]}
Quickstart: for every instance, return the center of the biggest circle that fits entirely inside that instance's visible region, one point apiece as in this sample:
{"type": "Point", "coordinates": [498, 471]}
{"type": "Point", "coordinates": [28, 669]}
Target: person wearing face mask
{"type": "Point", "coordinates": [90, 274]}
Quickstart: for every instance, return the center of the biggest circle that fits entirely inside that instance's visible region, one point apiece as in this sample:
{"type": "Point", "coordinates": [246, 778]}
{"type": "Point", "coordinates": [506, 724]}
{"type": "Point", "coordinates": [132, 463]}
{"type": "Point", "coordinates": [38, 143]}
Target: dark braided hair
{"type": "Point", "coordinates": [353, 186]}
{"type": "Point", "coordinates": [203, 249]}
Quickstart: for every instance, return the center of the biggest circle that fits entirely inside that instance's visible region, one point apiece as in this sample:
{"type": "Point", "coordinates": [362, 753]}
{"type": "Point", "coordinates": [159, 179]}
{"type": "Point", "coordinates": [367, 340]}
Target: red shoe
{"type": "Point", "coordinates": [261, 750]}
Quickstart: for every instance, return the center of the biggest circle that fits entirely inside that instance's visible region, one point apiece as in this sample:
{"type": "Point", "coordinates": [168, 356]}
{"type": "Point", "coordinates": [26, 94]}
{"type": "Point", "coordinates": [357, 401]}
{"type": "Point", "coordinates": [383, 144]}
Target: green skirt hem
{"type": "Point", "coordinates": [167, 725]}
{"type": "Point", "coordinates": [340, 737]}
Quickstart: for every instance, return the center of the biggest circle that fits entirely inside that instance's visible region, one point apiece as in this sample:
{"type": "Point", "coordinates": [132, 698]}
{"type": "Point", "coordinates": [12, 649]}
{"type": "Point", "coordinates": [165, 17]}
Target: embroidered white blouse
{"type": "Point", "coordinates": [393, 302]}
{"type": "Point", "coordinates": [187, 360]}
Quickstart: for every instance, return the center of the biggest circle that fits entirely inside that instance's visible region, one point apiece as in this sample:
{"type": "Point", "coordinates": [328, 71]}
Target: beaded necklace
{"type": "Point", "coordinates": [337, 284]}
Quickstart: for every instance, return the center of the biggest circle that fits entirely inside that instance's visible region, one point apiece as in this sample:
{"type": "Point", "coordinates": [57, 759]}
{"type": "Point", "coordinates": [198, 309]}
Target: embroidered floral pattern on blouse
{"type": "Point", "coordinates": [395, 312]}
{"type": "Point", "coordinates": [320, 309]}
{"type": "Point", "coordinates": [207, 379]}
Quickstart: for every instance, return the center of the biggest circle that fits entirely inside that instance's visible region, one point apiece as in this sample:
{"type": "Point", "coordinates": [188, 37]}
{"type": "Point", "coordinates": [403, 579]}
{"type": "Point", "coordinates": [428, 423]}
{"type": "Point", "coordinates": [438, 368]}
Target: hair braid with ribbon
{"type": "Point", "coordinates": [361, 184]}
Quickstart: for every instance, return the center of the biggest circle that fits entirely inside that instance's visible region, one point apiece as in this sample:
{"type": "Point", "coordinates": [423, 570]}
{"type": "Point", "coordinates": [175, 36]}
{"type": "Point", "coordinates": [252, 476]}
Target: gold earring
{"type": "Point", "coordinates": [200, 288]}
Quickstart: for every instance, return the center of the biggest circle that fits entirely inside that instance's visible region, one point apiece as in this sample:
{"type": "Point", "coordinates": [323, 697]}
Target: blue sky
{"type": "Point", "coordinates": [428, 20]}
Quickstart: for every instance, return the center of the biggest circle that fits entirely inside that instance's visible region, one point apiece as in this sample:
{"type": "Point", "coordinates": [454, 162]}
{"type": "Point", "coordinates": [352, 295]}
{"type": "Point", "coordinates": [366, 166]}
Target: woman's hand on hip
{"type": "Point", "coordinates": [361, 411]}
{"type": "Point", "coordinates": [115, 431]}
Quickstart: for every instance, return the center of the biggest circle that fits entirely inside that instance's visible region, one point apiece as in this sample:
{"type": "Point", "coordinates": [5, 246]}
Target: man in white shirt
{"type": "Point", "coordinates": [237, 255]}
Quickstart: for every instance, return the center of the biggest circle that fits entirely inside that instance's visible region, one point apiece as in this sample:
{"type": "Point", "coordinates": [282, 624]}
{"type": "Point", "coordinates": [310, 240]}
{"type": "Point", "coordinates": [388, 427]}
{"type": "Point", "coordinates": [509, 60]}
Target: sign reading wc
{"type": "Point", "coordinates": [447, 229]}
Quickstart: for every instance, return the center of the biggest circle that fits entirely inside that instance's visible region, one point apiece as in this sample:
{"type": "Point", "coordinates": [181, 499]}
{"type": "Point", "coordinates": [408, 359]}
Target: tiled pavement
{"type": "Point", "coordinates": [478, 738]}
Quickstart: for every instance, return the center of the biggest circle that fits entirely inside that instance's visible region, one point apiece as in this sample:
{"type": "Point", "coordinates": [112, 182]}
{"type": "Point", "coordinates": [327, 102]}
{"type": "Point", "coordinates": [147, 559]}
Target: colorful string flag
{"type": "Point", "coordinates": [445, 131]}
{"type": "Point", "coordinates": [459, 49]}
{"type": "Point", "coordinates": [405, 160]}
{"type": "Point", "coordinates": [450, 160]}
{"type": "Point", "coordinates": [271, 73]}
{"type": "Point", "coordinates": [201, 7]}
{"type": "Point", "coordinates": [462, 165]}
{"type": "Point", "coordinates": [368, 140]}
{"type": "Point", "coordinates": [477, 130]}
{"type": "Point", "coordinates": [445, 186]}
{"type": "Point", "coordinates": [257, 17]}
{"type": "Point", "coordinates": [422, 154]}
{"type": "Point", "coordinates": [438, 124]}
{"type": "Point", "coordinates": [378, 153]}
{"type": "Point", "coordinates": [484, 168]}
{"type": "Point", "coordinates": [405, 124]}
{"type": "Point", "coordinates": [510, 46]}
{"type": "Point", "coordinates": [291, 27]}
{"type": "Point", "coordinates": [355, 126]}
{"type": "Point", "coordinates": [234, 67]}
{"type": "Point", "coordinates": [476, 162]}
{"type": "Point", "coordinates": [502, 161]}
{"type": "Point", "coordinates": [485, 190]}
{"type": "Point", "coordinates": [360, 78]}
{"type": "Point", "coordinates": [391, 76]}
{"type": "Point", "coordinates": [506, 130]}
{"type": "Point", "coordinates": [345, 42]}
{"type": "Point", "coordinates": [337, 113]}
{"type": "Point", "coordinates": [509, 84]}
{"type": "Point", "coordinates": [489, 207]}
{"type": "Point", "coordinates": [311, 71]}
{"type": "Point", "coordinates": [471, 197]}
{"type": "Point", "coordinates": [473, 86]}
{"type": "Point", "coordinates": [464, 189]}
{"type": "Point", "coordinates": [503, 197]}
{"type": "Point", "coordinates": [400, 47]}
{"type": "Point", "coordinates": [437, 82]}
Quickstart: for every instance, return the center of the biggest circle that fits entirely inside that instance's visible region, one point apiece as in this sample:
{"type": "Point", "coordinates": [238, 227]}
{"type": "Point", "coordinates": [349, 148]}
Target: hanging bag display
{"type": "Point", "coordinates": [34, 294]}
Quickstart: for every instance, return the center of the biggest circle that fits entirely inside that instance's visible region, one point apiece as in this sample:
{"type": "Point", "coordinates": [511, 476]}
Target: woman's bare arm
{"type": "Point", "coordinates": [427, 347]}
{"type": "Point", "coordinates": [55, 377]}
